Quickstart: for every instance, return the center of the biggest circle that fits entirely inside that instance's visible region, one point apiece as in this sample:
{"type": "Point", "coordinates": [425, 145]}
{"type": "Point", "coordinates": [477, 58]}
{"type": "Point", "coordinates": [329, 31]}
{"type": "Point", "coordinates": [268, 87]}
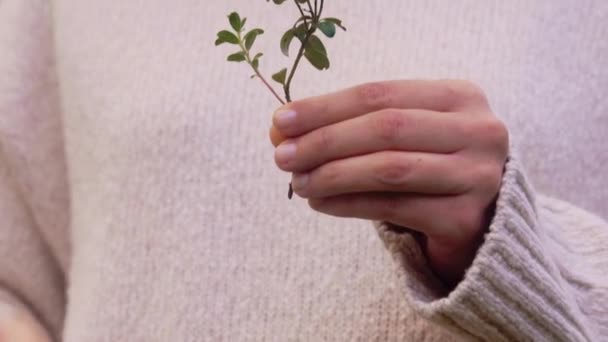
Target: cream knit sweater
{"type": "Point", "coordinates": [139, 200]}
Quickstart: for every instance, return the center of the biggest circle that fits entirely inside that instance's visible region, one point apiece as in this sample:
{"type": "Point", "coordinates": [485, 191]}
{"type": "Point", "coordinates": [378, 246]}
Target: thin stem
{"type": "Point", "coordinates": [287, 86]}
{"type": "Point", "coordinates": [320, 9]}
{"type": "Point", "coordinates": [302, 12]}
{"type": "Point", "coordinates": [316, 8]}
{"type": "Point", "coordinates": [257, 72]}
{"type": "Point", "coordinates": [311, 30]}
{"type": "Point", "coordinates": [312, 12]}
{"type": "Point", "coordinates": [268, 86]}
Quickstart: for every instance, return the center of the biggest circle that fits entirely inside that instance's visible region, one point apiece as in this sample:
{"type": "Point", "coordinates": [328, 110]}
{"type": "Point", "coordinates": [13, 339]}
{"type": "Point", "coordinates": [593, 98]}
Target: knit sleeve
{"type": "Point", "coordinates": [541, 273]}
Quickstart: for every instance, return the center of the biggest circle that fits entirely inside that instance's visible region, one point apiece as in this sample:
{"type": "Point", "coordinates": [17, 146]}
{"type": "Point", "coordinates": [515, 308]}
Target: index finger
{"type": "Point", "coordinates": [302, 116]}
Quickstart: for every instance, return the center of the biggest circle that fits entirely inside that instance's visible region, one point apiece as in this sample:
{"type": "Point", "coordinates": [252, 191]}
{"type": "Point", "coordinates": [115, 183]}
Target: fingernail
{"type": "Point", "coordinates": [299, 180]}
{"type": "Point", "coordinates": [285, 152]}
{"type": "Point", "coordinates": [284, 118]}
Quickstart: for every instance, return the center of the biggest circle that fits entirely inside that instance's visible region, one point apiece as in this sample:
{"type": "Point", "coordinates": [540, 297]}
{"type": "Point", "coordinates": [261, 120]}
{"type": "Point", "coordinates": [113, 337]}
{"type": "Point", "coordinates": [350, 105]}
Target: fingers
{"type": "Point", "coordinates": [410, 211]}
{"type": "Point", "coordinates": [275, 136]}
{"type": "Point", "coordinates": [438, 217]}
{"type": "Point", "coordinates": [305, 115]}
{"type": "Point", "coordinates": [387, 171]}
{"type": "Point", "coordinates": [394, 129]}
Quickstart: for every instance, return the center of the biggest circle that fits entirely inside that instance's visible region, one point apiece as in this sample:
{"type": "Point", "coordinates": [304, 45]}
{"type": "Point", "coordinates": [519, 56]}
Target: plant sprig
{"type": "Point", "coordinates": [304, 29]}
{"type": "Point", "coordinates": [245, 44]}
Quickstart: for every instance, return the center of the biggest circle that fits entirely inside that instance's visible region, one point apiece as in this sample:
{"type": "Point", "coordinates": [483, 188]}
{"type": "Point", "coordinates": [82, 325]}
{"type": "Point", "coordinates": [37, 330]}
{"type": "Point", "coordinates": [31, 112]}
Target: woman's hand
{"type": "Point", "coordinates": [426, 155]}
{"type": "Point", "coordinates": [18, 326]}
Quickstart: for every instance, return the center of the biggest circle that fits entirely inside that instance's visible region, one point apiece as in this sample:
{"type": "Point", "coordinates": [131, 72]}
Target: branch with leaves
{"type": "Point", "coordinates": [304, 29]}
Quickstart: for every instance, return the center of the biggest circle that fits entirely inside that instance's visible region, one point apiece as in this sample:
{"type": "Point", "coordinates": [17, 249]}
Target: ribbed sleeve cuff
{"type": "Point", "coordinates": [513, 290]}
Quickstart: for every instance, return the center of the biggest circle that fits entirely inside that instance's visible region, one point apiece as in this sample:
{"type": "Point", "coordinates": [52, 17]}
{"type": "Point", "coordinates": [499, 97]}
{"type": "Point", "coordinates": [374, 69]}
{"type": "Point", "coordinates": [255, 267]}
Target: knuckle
{"type": "Point", "coordinates": [493, 133]}
{"type": "Point", "coordinates": [393, 171]}
{"type": "Point", "coordinates": [327, 175]}
{"type": "Point", "coordinates": [500, 135]}
{"type": "Point", "coordinates": [374, 94]}
{"type": "Point", "coordinates": [389, 124]}
{"type": "Point", "coordinates": [488, 177]}
{"type": "Point", "coordinates": [322, 139]}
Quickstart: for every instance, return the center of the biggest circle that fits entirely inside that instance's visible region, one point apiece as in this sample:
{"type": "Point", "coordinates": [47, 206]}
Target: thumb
{"type": "Point", "coordinates": [276, 137]}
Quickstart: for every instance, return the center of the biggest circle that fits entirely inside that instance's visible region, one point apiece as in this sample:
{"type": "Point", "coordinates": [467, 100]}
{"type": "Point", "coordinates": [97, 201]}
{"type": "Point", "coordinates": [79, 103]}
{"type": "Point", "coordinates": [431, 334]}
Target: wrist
{"type": "Point", "coordinates": [450, 264]}
{"type": "Point", "coordinates": [450, 258]}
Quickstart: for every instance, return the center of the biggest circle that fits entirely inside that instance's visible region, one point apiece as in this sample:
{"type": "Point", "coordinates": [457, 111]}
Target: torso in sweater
{"type": "Point", "coordinates": [178, 222]}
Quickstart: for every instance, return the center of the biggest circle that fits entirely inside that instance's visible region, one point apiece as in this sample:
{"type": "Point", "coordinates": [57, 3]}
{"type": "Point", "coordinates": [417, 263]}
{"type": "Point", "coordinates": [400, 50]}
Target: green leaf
{"type": "Point", "coordinates": [335, 21]}
{"type": "Point", "coordinates": [317, 59]}
{"type": "Point", "coordinates": [251, 36]}
{"type": "Point", "coordinates": [300, 32]}
{"type": "Point", "coordinates": [237, 57]}
{"type": "Point", "coordinates": [286, 41]}
{"type": "Point", "coordinates": [278, 2]}
{"type": "Point", "coordinates": [235, 21]}
{"type": "Point", "coordinates": [280, 76]}
{"type": "Point", "coordinates": [315, 43]}
{"type": "Point", "coordinates": [226, 37]}
{"type": "Point", "coordinates": [255, 62]}
{"type": "Point", "coordinates": [328, 28]}
{"type": "Point", "coordinates": [316, 53]}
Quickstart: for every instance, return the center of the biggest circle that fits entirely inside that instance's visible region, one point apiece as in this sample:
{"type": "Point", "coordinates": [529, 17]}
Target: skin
{"type": "Point", "coordinates": [423, 155]}
{"type": "Point", "coordinates": [19, 326]}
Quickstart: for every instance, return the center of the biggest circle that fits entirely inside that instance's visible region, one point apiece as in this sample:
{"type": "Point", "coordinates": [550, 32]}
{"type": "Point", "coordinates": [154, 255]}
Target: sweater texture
{"type": "Point", "coordinates": [139, 200]}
